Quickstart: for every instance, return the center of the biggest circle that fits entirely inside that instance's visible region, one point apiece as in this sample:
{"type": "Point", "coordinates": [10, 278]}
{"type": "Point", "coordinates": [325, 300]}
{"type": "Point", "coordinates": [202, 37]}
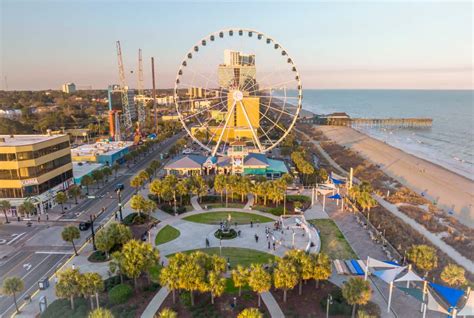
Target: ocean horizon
{"type": "Point", "coordinates": [448, 143]}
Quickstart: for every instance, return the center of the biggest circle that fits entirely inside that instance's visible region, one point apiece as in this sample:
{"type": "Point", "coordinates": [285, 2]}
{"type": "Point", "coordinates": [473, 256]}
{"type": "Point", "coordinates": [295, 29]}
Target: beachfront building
{"type": "Point", "coordinates": [81, 169]}
{"type": "Point", "coordinates": [34, 168]}
{"type": "Point", "coordinates": [104, 152]}
{"type": "Point", "coordinates": [238, 160]}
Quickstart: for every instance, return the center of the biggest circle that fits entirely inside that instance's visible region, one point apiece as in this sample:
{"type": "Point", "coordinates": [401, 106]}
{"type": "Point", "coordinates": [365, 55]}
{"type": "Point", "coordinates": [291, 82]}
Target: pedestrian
{"type": "Point", "coordinates": [39, 218]}
{"type": "Point", "coordinates": [274, 245]}
{"type": "Point", "coordinates": [256, 238]}
{"type": "Point", "coordinates": [251, 224]}
{"type": "Point", "coordinates": [267, 236]}
{"type": "Point", "coordinates": [116, 216]}
{"type": "Point", "coordinates": [73, 266]}
{"type": "Point", "coordinates": [47, 216]}
{"type": "Point", "coordinates": [207, 242]}
{"type": "Point", "coordinates": [268, 244]}
{"type": "Point", "coordinates": [238, 233]}
{"type": "Point", "coordinates": [18, 218]}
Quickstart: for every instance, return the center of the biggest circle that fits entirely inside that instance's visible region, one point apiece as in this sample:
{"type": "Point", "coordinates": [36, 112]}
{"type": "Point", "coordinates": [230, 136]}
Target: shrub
{"type": "Point", "coordinates": [97, 257]}
{"type": "Point", "coordinates": [135, 219]}
{"type": "Point", "coordinates": [168, 208]}
{"type": "Point", "coordinates": [111, 282]}
{"type": "Point", "coordinates": [298, 198]}
{"type": "Point", "coordinates": [120, 294]}
{"type": "Point", "coordinates": [369, 310]}
{"type": "Point", "coordinates": [211, 199]}
{"type": "Point", "coordinates": [62, 308]}
{"type": "Point", "coordinates": [225, 235]}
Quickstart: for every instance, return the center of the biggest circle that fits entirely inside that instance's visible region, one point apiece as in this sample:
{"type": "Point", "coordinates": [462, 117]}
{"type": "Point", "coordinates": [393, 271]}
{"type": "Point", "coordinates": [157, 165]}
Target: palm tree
{"type": "Point", "coordinates": [69, 234]}
{"type": "Point", "coordinates": [285, 275]}
{"type": "Point", "coordinates": [136, 183]}
{"type": "Point", "coordinates": [155, 165]}
{"type": "Point", "coordinates": [115, 168]}
{"type": "Point", "coordinates": [356, 291]}
{"type": "Point", "coordinates": [182, 189]}
{"type": "Point", "coordinates": [423, 256]}
{"type": "Point", "coordinates": [169, 275]}
{"type": "Point", "coordinates": [100, 313]}
{"type": "Point", "coordinates": [220, 182]}
{"type": "Point", "coordinates": [453, 275]}
{"type": "Point", "coordinates": [69, 284]}
{"type": "Point", "coordinates": [61, 198]}
{"type": "Point", "coordinates": [86, 181]}
{"type": "Point", "coordinates": [11, 286]}
{"type": "Point", "coordinates": [143, 174]}
{"type": "Point", "coordinates": [240, 277]}
{"type": "Point", "coordinates": [250, 313]}
{"type": "Point", "coordinates": [167, 313]}
{"type": "Point", "coordinates": [216, 285]}
{"type": "Point", "coordinates": [156, 187]}
{"type": "Point", "coordinates": [97, 176]}
{"type": "Point", "coordinates": [138, 203]}
{"type": "Point", "coordinates": [151, 173]}
{"type": "Point", "coordinates": [5, 206]}
{"type": "Point", "coordinates": [259, 280]}
{"type": "Point", "coordinates": [74, 192]}
{"type": "Point", "coordinates": [27, 208]}
{"type": "Point", "coordinates": [107, 172]}
{"type": "Point", "coordinates": [322, 268]}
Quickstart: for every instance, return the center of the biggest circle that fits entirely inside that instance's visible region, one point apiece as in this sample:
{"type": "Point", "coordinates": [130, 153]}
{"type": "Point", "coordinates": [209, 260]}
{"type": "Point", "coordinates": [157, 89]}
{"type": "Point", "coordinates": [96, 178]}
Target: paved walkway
{"type": "Point", "coordinates": [155, 303]}
{"type": "Point", "coordinates": [195, 203]}
{"type": "Point", "coordinates": [451, 252]}
{"type": "Point", "coordinates": [250, 201]}
{"type": "Point", "coordinates": [272, 305]}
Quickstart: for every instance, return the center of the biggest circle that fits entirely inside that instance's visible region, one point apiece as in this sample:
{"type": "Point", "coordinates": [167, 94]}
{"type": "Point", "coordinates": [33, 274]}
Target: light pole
{"type": "Point", "coordinates": [120, 204]}
{"type": "Point", "coordinates": [93, 233]}
{"type": "Point", "coordinates": [329, 302]}
{"type": "Point", "coordinates": [284, 202]}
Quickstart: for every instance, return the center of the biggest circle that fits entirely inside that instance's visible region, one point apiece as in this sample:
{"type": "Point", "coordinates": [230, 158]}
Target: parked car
{"type": "Point", "coordinates": [84, 226]}
{"type": "Point", "coordinates": [119, 186]}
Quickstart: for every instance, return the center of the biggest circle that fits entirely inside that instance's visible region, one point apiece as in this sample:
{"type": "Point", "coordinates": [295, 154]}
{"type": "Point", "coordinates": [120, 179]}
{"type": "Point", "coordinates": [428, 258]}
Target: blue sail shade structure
{"type": "Point", "coordinates": [337, 196]}
{"type": "Point", "coordinates": [337, 181]}
{"type": "Point", "coordinates": [451, 295]}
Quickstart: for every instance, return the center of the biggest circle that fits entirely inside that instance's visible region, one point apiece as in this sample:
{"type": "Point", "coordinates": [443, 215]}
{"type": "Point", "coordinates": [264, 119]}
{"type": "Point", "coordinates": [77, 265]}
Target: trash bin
{"type": "Point", "coordinates": [43, 283]}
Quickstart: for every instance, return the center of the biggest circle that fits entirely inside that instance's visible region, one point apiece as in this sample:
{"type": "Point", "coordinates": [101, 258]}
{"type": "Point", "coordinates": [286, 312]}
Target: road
{"type": "Point", "coordinates": [32, 253]}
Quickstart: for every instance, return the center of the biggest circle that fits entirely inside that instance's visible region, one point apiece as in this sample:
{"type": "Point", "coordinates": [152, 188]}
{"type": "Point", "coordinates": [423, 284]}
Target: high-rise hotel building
{"type": "Point", "coordinates": [35, 168]}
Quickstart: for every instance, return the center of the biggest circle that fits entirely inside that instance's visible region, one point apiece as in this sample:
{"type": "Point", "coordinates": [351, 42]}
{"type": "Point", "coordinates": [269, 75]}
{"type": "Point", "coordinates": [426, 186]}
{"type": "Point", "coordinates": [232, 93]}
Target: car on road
{"type": "Point", "coordinates": [84, 226]}
{"type": "Point", "coordinates": [119, 186]}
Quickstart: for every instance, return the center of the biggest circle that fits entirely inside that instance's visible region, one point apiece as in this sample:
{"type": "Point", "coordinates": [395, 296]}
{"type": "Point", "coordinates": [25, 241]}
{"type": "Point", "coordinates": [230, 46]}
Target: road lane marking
{"type": "Point", "coordinates": [16, 238]}
{"type": "Point", "coordinates": [54, 252]}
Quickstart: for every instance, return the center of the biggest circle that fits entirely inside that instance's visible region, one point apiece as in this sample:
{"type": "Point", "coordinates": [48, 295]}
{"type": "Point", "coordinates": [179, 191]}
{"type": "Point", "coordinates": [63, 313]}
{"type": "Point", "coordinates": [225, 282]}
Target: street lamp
{"type": "Point", "coordinates": [329, 302]}
{"type": "Point", "coordinates": [120, 204]}
{"type": "Point", "coordinates": [92, 218]}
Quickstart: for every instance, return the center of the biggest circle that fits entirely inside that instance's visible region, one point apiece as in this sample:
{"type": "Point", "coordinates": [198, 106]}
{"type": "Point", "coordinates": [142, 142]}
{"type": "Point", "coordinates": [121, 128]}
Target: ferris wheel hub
{"type": "Point", "coordinates": [238, 96]}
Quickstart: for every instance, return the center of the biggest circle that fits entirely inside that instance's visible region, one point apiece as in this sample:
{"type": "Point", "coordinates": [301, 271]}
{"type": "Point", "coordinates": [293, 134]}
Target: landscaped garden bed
{"type": "Point", "coordinates": [166, 234]}
{"type": "Point", "coordinates": [215, 201]}
{"type": "Point", "coordinates": [237, 256]}
{"type": "Point", "coordinates": [309, 303]}
{"type": "Point", "coordinates": [131, 306]}
{"type": "Point", "coordinates": [223, 305]}
{"type": "Point", "coordinates": [218, 217]}
{"type": "Point", "coordinates": [333, 242]}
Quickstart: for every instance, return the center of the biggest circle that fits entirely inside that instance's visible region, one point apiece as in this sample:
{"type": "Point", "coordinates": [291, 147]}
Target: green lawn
{"type": "Point", "coordinates": [333, 242]}
{"type": "Point", "coordinates": [217, 217]}
{"type": "Point", "coordinates": [237, 256]}
{"type": "Point", "coordinates": [222, 205]}
{"type": "Point", "coordinates": [168, 233]}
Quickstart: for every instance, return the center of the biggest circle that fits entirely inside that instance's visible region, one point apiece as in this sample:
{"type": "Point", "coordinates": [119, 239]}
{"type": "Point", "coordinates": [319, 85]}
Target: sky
{"type": "Point", "coordinates": [336, 45]}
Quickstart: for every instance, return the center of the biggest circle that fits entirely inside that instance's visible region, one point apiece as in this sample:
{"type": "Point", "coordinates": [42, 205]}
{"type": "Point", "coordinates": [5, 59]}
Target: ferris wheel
{"type": "Point", "coordinates": [237, 86]}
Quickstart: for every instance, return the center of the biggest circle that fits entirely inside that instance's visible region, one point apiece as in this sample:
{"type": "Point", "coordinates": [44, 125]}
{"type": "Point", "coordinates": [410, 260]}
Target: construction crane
{"type": "Point", "coordinates": [141, 94]}
{"type": "Point", "coordinates": [127, 113]}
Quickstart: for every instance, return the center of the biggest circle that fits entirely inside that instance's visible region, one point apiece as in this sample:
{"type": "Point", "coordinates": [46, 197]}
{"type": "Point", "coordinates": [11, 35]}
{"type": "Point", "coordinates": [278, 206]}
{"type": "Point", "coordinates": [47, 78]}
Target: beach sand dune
{"type": "Point", "coordinates": [451, 191]}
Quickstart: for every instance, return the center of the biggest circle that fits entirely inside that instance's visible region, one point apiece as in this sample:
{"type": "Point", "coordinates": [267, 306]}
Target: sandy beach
{"type": "Point", "coordinates": [450, 190]}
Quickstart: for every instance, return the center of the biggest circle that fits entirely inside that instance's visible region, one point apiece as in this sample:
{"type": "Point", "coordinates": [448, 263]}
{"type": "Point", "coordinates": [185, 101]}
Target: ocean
{"type": "Point", "coordinates": [449, 142]}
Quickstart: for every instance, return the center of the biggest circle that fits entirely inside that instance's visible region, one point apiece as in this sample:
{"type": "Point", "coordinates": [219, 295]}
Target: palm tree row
{"type": "Point", "coordinates": [261, 189]}
{"type": "Point", "coordinates": [170, 188]}
{"type": "Point", "coordinates": [362, 195]}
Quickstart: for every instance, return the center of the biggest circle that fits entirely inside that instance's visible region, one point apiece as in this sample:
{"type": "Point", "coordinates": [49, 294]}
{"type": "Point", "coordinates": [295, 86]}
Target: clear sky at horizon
{"type": "Point", "coordinates": [413, 45]}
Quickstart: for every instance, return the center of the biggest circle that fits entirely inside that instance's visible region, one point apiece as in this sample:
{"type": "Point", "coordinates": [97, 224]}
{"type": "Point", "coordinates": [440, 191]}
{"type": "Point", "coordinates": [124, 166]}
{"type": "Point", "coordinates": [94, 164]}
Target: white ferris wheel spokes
{"type": "Point", "coordinates": [237, 85]}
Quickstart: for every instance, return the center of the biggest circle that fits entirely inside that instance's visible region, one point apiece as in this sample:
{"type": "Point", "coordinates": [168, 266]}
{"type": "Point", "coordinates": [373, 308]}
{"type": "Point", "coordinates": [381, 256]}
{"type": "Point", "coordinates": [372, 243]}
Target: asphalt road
{"type": "Point", "coordinates": [32, 261]}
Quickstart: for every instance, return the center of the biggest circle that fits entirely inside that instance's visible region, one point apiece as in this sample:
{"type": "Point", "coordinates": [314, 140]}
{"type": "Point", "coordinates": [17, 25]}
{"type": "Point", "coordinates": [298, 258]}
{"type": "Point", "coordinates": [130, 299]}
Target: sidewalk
{"type": "Point", "coordinates": [80, 262]}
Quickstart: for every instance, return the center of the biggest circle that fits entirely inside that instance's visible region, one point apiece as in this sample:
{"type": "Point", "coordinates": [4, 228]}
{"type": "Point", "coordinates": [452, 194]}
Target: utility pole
{"type": "Point", "coordinates": [154, 91]}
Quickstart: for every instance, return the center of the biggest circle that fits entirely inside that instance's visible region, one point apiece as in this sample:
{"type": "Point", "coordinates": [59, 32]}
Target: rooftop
{"type": "Point", "coordinates": [80, 169]}
{"type": "Point", "coordinates": [100, 148]}
{"type": "Point", "coordinates": [23, 140]}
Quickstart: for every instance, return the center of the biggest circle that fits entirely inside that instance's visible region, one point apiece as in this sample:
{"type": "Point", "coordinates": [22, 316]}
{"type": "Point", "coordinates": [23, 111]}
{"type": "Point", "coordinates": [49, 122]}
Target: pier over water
{"type": "Point", "coordinates": [342, 119]}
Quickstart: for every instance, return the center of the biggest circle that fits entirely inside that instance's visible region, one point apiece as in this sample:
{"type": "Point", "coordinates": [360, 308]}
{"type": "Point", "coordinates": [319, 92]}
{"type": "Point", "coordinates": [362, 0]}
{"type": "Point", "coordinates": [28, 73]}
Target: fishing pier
{"type": "Point", "coordinates": [342, 119]}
